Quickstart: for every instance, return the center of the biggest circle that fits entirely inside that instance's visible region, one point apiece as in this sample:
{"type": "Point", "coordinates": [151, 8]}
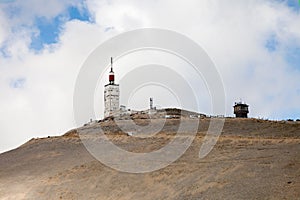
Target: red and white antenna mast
{"type": "Point", "coordinates": [111, 73]}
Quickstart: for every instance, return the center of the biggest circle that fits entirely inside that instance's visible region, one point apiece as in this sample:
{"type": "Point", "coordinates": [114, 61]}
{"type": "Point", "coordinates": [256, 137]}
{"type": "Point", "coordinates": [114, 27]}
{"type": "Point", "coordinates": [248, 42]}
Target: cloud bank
{"type": "Point", "coordinates": [254, 44]}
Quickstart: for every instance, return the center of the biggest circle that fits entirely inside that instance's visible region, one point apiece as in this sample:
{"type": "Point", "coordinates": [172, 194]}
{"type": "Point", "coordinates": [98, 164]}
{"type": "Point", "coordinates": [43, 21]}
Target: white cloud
{"type": "Point", "coordinates": [3, 30]}
{"type": "Point", "coordinates": [233, 33]}
{"type": "Point", "coordinates": [44, 105]}
{"type": "Point", "coordinates": [120, 15]}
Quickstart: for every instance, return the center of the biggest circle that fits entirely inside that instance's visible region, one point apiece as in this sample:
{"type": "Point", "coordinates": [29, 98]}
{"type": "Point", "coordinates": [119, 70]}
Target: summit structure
{"type": "Point", "coordinates": [111, 94]}
{"type": "Point", "coordinates": [241, 109]}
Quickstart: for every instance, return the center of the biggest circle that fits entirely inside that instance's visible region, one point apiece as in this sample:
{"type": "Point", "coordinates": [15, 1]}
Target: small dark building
{"type": "Point", "coordinates": [241, 110]}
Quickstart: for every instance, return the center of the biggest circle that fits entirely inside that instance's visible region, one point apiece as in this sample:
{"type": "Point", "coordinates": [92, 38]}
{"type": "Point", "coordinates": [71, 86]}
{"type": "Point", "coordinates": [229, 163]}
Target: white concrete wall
{"type": "Point", "coordinates": [111, 99]}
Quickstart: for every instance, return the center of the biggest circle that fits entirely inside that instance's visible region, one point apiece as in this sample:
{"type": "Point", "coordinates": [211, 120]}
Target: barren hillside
{"type": "Point", "coordinates": [253, 159]}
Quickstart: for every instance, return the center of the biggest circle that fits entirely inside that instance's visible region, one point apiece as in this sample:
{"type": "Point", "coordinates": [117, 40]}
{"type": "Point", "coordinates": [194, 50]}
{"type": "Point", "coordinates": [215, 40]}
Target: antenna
{"type": "Point", "coordinates": [111, 73]}
{"type": "Point", "coordinates": [151, 103]}
{"type": "Point", "coordinates": [111, 64]}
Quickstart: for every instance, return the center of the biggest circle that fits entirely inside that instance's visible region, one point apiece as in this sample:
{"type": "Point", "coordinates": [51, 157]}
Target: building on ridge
{"type": "Point", "coordinates": [241, 109]}
{"type": "Point", "coordinates": [111, 95]}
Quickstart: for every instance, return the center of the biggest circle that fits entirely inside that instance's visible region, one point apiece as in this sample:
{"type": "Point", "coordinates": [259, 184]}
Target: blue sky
{"type": "Point", "coordinates": [293, 4]}
{"type": "Point", "coordinates": [50, 29]}
{"type": "Point", "coordinates": [292, 50]}
{"type": "Point", "coordinates": [293, 56]}
{"type": "Point", "coordinates": [272, 43]}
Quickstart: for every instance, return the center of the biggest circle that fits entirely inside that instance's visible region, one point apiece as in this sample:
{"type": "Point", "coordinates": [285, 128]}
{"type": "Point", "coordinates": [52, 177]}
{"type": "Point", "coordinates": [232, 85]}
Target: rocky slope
{"type": "Point", "coordinates": [253, 159]}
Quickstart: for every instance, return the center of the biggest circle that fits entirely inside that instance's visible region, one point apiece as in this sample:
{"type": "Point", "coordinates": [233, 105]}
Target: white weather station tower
{"type": "Point", "coordinates": [111, 94]}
